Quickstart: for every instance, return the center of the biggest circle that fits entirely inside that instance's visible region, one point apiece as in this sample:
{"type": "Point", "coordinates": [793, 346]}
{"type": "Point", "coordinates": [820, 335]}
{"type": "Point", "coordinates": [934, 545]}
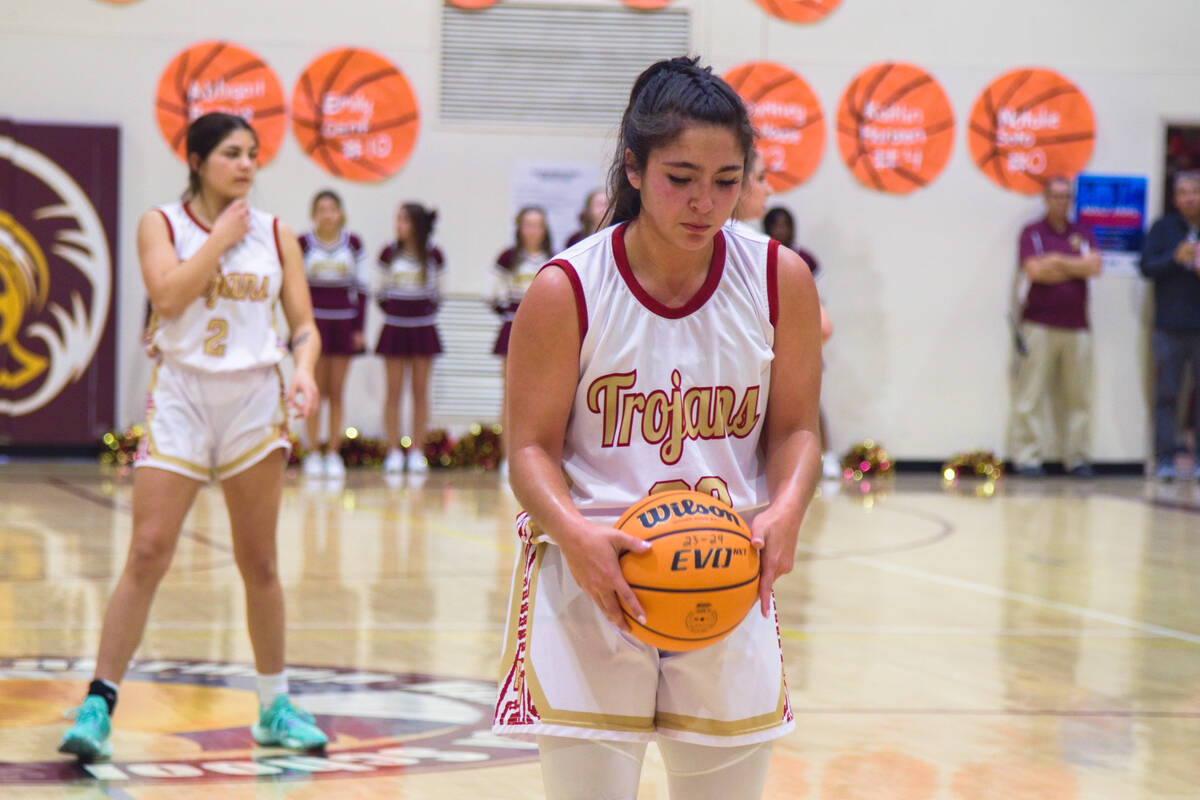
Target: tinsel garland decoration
{"type": "Point", "coordinates": [479, 448]}
{"type": "Point", "coordinates": [982, 467]}
{"type": "Point", "coordinates": [120, 447]}
{"type": "Point", "coordinates": [975, 464]}
{"type": "Point", "coordinates": [866, 460]}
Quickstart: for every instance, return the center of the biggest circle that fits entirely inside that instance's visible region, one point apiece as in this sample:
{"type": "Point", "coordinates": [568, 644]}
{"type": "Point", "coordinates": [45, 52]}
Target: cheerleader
{"type": "Point", "coordinates": [409, 292]}
{"type": "Point", "coordinates": [591, 216]}
{"type": "Point", "coordinates": [335, 262]}
{"type": "Point", "coordinates": [515, 270]}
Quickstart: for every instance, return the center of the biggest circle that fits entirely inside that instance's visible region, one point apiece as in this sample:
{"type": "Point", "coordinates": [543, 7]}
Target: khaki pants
{"type": "Point", "coordinates": [1061, 356]}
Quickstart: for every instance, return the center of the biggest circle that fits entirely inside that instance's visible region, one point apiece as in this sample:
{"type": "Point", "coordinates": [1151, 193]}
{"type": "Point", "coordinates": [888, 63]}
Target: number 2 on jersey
{"type": "Point", "coordinates": [214, 345]}
{"type": "Point", "coordinates": [711, 485]}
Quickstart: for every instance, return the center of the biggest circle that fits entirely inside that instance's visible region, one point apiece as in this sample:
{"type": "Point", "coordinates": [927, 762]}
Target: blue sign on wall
{"type": "Point", "coordinates": [1114, 207]}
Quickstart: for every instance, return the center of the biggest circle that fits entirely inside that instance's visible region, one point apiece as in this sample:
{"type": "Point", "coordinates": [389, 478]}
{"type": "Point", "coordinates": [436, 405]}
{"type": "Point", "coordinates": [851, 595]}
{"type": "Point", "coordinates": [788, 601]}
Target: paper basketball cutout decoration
{"type": "Point", "coordinates": [1030, 125]}
{"type": "Point", "coordinates": [788, 118]}
{"type": "Point", "coordinates": [895, 127]}
{"type": "Point", "coordinates": [219, 76]}
{"type": "Point", "coordinates": [699, 578]}
{"type": "Point", "coordinates": [355, 114]}
{"type": "Point", "coordinates": [799, 10]}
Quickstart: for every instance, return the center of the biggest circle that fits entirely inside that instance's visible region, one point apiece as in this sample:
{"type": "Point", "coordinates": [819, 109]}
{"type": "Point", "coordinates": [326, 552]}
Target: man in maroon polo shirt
{"type": "Point", "coordinates": [1057, 256]}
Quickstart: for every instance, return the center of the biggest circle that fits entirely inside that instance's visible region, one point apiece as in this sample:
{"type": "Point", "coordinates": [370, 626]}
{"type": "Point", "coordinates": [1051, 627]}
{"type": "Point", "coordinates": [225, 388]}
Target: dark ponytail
{"type": "Point", "coordinates": [203, 136]}
{"type": "Point", "coordinates": [422, 220]}
{"type": "Point", "coordinates": [666, 98]}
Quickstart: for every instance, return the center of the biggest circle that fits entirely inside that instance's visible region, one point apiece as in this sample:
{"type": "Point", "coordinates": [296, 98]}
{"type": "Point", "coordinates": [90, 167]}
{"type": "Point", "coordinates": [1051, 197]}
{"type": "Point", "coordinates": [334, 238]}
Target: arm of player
{"type": "Point", "coordinates": [793, 446]}
{"type": "Point", "coordinates": [173, 284]}
{"type": "Point", "coordinates": [543, 372]}
{"type": "Point", "coordinates": [297, 308]}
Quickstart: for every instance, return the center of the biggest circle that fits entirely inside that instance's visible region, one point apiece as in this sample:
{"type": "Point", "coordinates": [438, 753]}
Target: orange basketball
{"type": "Point", "coordinates": [788, 118]}
{"type": "Point", "coordinates": [895, 127]}
{"type": "Point", "coordinates": [1030, 125]}
{"type": "Point", "coordinates": [219, 76]}
{"type": "Point", "coordinates": [700, 576]}
{"type": "Point", "coordinates": [799, 10]}
{"type": "Point", "coordinates": [355, 114]}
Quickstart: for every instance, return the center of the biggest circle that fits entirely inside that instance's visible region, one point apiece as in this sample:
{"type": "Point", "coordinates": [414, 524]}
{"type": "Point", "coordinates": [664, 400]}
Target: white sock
{"type": "Point", "coordinates": [270, 687]}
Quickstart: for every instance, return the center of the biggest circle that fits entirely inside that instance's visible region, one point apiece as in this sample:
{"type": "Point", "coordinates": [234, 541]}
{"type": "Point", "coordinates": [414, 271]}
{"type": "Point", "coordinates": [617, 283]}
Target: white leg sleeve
{"type": "Point", "coordinates": [698, 772]}
{"type": "Point", "coordinates": [590, 769]}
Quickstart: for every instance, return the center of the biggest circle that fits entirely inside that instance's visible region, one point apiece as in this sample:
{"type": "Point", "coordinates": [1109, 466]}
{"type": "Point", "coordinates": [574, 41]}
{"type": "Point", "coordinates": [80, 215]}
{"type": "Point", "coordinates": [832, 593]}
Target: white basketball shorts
{"type": "Point", "coordinates": [212, 425]}
{"type": "Point", "coordinates": [568, 671]}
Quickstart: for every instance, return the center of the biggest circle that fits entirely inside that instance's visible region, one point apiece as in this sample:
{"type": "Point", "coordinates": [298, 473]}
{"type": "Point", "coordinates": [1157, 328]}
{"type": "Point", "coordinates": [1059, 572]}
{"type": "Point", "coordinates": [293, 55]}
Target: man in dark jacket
{"type": "Point", "coordinates": [1170, 260]}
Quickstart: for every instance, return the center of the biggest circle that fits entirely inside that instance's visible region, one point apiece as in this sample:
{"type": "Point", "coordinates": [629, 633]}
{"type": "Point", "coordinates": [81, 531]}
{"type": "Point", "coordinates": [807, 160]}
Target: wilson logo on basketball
{"type": "Point", "coordinates": [686, 507]}
{"type": "Point", "coordinates": [670, 417]}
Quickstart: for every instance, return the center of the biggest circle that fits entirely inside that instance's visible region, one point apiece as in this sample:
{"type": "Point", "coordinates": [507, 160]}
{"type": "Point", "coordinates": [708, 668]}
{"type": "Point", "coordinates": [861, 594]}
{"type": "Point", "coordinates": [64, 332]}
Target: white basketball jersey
{"type": "Point", "coordinates": [670, 398]}
{"type": "Point", "coordinates": [231, 325]}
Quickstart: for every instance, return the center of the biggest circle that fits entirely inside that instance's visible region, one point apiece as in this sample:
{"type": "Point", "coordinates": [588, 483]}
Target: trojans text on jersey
{"type": "Point", "coordinates": [237, 286]}
{"type": "Point", "coordinates": [670, 416]}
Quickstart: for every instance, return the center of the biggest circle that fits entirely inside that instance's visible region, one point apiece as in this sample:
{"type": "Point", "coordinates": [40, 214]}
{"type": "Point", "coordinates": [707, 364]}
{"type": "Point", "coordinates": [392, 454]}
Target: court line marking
{"type": "Point", "coordinates": [110, 503]}
{"type": "Point", "coordinates": [1028, 599]}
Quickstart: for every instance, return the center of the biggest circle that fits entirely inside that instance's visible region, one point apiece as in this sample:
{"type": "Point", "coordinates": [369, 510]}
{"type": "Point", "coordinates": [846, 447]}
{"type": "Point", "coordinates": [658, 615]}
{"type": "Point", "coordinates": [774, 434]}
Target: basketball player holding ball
{"type": "Point", "coordinates": [665, 352]}
{"type": "Point", "coordinates": [214, 268]}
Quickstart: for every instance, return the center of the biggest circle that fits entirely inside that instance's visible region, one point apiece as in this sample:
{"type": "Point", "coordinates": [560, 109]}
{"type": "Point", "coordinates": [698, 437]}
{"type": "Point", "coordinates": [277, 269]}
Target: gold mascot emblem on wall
{"type": "Point", "coordinates": [24, 284]}
{"type": "Point", "coordinates": [56, 284]}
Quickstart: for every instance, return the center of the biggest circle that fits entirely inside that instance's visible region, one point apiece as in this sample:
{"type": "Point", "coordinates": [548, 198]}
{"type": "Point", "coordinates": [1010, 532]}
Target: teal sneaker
{"type": "Point", "coordinates": [284, 725]}
{"type": "Point", "coordinates": [88, 737]}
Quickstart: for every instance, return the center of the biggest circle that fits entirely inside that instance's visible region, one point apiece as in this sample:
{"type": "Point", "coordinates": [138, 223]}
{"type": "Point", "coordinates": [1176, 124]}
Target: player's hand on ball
{"type": "Point", "coordinates": [302, 394]}
{"type": "Point", "coordinates": [591, 554]}
{"type": "Point", "coordinates": [774, 535]}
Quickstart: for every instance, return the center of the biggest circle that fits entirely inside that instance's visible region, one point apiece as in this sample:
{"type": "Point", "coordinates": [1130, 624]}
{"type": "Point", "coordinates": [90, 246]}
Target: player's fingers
{"type": "Point", "coordinates": [612, 609]}
{"type": "Point", "coordinates": [631, 602]}
{"type": "Point", "coordinates": [766, 580]}
{"type": "Point", "coordinates": [632, 543]}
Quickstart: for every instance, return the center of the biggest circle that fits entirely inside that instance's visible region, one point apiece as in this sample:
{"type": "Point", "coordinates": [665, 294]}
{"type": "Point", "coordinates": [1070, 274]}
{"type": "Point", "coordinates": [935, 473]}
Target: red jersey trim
{"type": "Point", "coordinates": [187, 209]}
{"type": "Point", "coordinates": [278, 247]}
{"type": "Point", "coordinates": [773, 282]}
{"type": "Point", "coordinates": [170, 227]}
{"type": "Point", "coordinates": [577, 288]}
{"type": "Point", "coordinates": [716, 269]}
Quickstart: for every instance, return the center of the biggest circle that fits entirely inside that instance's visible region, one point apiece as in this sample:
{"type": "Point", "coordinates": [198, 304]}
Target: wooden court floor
{"type": "Point", "coordinates": [1042, 643]}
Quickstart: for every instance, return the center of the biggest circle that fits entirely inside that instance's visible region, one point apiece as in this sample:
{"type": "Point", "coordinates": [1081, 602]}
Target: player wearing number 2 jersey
{"type": "Point", "coordinates": [664, 352]}
{"type": "Point", "coordinates": [215, 269]}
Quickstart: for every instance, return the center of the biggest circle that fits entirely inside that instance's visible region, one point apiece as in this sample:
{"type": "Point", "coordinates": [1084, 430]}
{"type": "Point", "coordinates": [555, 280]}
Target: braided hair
{"type": "Point", "coordinates": [667, 97]}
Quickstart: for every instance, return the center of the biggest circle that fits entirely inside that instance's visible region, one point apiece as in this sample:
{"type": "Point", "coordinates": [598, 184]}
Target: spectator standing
{"type": "Point", "coordinates": [1169, 259]}
{"type": "Point", "coordinates": [1058, 257]}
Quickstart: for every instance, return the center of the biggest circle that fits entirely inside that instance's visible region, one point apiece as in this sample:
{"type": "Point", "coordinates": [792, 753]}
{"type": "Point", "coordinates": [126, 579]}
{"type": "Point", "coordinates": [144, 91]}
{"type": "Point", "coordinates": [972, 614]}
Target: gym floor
{"type": "Point", "coordinates": [1040, 643]}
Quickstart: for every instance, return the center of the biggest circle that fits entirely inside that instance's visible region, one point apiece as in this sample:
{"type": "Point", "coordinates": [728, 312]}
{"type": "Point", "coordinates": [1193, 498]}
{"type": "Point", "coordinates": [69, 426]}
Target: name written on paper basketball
{"type": "Point", "coordinates": [670, 416]}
